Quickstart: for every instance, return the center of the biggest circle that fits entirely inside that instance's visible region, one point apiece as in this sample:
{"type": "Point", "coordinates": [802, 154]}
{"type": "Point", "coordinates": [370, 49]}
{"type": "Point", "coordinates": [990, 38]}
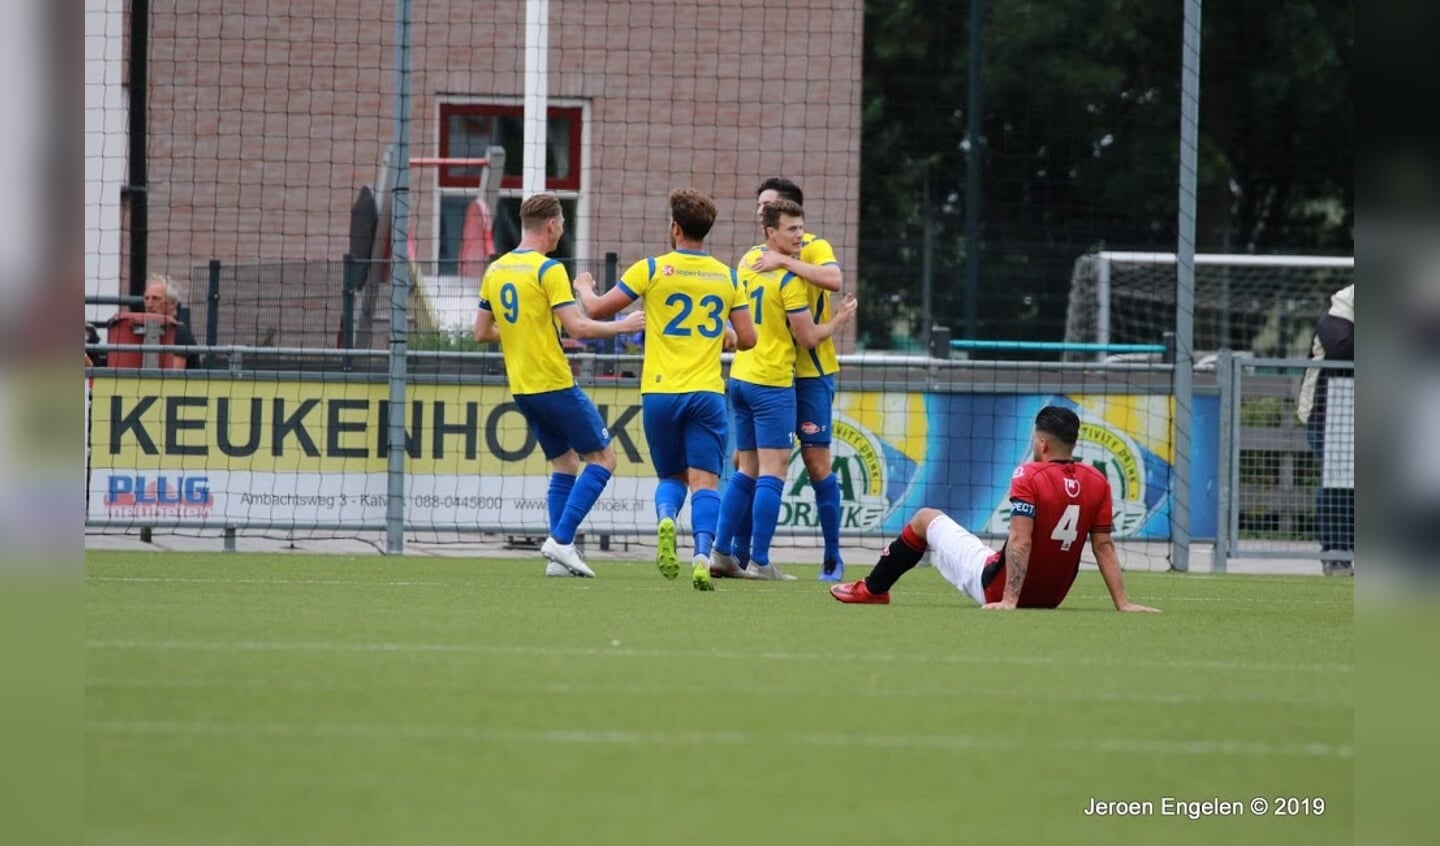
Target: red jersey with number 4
{"type": "Point", "coordinates": [1067, 500]}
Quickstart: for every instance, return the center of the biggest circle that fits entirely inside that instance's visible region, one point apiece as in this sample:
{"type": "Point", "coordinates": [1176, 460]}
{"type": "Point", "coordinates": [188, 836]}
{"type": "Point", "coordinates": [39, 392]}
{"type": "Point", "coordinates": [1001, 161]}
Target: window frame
{"type": "Point", "coordinates": [574, 187]}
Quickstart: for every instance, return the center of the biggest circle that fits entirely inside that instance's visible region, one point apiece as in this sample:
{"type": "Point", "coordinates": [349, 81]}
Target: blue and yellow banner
{"type": "Point", "coordinates": [309, 450]}
{"type": "Point", "coordinates": [896, 452]}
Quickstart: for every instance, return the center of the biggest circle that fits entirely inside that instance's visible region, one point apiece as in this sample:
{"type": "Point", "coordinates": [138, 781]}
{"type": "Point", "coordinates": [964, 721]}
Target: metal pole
{"type": "Point", "coordinates": [347, 308]}
{"type": "Point", "coordinates": [1185, 289]}
{"type": "Point", "coordinates": [537, 58]}
{"type": "Point", "coordinates": [1228, 449]}
{"type": "Point", "coordinates": [974, 126]}
{"type": "Point", "coordinates": [136, 190]}
{"type": "Point", "coordinates": [927, 262]}
{"type": "Point", "coordinates": [212, 312]}
{"type": "Point", "coordinates": [1102, 304]}
{"type": "Point", "coordinates": [399, 288]}
{"type": "Point", "coordinates": [612, 275]}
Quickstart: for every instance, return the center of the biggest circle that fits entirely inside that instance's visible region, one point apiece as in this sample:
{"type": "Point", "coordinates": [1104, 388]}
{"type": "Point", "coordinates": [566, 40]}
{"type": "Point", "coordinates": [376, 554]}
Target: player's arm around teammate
{"type": "Point", "coordinates": [823, 273]}
{"type": "Point", "coordinates": [576, 325]}
{"type": "Point", "coordinates": [810, 334]}
{"type": "Point", "coordinates": [599, 306]}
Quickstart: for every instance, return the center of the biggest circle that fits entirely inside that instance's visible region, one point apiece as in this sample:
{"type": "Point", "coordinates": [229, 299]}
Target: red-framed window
{"type": "Point", "coordinates": [470, 129]}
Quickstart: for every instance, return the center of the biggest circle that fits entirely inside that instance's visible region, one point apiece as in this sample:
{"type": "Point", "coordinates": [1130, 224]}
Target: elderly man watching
{"type": "Point", "coordinates": [162, 297]}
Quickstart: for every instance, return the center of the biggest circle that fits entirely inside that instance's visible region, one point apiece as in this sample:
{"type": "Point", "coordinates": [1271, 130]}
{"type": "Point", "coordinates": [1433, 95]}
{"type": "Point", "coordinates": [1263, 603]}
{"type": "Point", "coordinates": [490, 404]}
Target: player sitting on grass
{"type": "Point", "coordinates": [1055, 502]}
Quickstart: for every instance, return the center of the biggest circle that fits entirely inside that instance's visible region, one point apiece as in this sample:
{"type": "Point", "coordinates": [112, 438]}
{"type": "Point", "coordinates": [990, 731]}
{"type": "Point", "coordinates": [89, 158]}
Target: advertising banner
{"type": "Point", "coordinates": [232, 452]}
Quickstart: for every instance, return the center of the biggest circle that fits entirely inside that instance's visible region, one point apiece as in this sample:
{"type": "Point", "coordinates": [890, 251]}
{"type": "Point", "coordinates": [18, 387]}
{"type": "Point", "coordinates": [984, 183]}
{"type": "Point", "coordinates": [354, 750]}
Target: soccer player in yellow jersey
{"type": "Point", "coordinates": [762, 390]}
{"type": "Point", "coordinates": [815, 372]}
{"type": "Point", "coordinates": [689, 296]}
{"type": "Point", "coordinates": [524, 300]}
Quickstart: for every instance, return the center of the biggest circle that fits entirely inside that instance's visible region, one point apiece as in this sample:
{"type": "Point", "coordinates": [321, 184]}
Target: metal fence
{"type": "Point", "coordinates": [1287, 489]}
{"type": "Point", "coordinates": [280, 426]}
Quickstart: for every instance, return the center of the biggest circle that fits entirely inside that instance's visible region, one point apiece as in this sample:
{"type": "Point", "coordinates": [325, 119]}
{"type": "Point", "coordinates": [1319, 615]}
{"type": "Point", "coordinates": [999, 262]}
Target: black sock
{"type": "Point", "coordinates": [904, 553]}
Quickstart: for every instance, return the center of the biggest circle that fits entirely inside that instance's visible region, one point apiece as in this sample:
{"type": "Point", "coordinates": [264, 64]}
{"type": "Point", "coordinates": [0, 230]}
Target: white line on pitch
{"type": "Point", "coordinates": [621, 652]}
{"type": "Point", "coordinates": [633, 737]}
{"type": "Point", "coordinates": [563, 689]}
{"type": "Point", "coordinates": [261, 581]}
{"type": "Point", "coordinates": [1339, 600]}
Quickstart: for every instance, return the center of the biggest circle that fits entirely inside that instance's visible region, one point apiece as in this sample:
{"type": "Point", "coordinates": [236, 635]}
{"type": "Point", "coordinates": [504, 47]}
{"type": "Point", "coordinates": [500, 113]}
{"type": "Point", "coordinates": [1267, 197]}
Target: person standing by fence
{"type": "Point", "coordinates": [1327, 405]}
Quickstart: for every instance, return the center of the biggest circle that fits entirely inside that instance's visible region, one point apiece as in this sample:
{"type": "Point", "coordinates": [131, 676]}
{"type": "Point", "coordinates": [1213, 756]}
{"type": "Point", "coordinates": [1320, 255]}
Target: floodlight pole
{"type": "Point", "coordinates": [1185, 290]}
{"type": "Point", "coordinates": [537, 68]}
{"type": "Point", "coordinates": [399, 290]}
{"type": "Point", "coordinates": [974, 129]}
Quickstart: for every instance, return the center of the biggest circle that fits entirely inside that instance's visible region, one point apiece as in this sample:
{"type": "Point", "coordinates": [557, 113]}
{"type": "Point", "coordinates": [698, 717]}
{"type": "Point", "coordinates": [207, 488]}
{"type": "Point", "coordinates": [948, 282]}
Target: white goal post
{"type": "Point", "coordinates": [1266, 304]}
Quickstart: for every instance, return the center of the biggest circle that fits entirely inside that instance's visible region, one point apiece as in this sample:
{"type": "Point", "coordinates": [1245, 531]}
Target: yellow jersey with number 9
{"type": "Point", "coordinates": [522, 289]}
{"type": "Point", "coordinates": [688, 297]}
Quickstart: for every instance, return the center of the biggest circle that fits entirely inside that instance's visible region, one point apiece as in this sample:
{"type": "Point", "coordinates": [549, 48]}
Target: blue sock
{"type": "Point", "coordinates": [766, 513]}
{"type": "Point", "coordinates": [740, 548]}
{"type": "Point", "coordinates": [669, 498]}
{"type": "Point", "coordinates": [582, 499]}
{"type": "Point", "coordinates": [737, 502]}
{"type": "Point", "coordinates": [560, 485]}
{"type": "Point", "coordinates": [704, 513]}
{"type": "Point", "coordinates": [827, 502]}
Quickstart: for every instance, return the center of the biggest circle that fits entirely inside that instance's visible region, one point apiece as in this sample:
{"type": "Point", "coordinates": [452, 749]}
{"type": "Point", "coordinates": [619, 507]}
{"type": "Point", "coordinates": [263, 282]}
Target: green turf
{"type": "Point", "coordinates": [325, 700]}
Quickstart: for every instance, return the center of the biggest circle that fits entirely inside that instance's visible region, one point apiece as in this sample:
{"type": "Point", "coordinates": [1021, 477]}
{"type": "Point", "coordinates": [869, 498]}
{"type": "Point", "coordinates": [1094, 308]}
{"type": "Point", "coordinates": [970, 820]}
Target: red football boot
{"type": "Point", "coordinates": [858, 593]}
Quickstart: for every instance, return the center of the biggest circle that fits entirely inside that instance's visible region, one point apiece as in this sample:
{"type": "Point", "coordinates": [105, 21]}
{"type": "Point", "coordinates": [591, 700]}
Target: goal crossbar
{"type": "Point", "coordinates": [1235, 259]}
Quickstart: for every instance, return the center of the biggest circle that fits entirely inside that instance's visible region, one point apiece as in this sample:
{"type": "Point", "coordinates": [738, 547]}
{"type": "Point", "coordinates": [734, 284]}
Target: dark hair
{"type": "Point", "coordinates": [693, 211]}
{"type": "Point", "coordinates": [1062, 424]}
{"type": "Point", "coordinates": [785, 188]}
{"type": "Point", "coordinates": [770, 217]}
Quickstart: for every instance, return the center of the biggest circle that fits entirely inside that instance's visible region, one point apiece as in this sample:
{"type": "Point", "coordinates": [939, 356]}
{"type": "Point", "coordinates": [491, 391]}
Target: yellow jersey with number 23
{"type": "Point", "coordinates": [688, 297]}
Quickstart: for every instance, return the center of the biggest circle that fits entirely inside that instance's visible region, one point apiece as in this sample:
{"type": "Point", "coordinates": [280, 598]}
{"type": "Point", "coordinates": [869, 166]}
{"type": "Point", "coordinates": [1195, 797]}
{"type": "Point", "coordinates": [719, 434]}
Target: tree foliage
{"type": "Point", "coordinates": [1080, 144]}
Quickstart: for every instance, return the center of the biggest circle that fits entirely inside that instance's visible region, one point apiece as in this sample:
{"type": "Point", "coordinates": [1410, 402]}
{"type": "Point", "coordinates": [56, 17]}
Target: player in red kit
{"type": "Point", "coordinates": [1055, 503]}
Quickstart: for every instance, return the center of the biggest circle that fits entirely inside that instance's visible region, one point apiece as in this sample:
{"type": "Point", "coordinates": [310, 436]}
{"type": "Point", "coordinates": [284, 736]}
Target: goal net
{"type": "Point", "coordinates": [1265, 305]}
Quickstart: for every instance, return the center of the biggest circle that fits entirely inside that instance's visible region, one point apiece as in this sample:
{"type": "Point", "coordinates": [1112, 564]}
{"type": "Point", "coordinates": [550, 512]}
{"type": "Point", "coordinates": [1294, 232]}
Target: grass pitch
{"type": "Point", "coordinates": [278, 699]}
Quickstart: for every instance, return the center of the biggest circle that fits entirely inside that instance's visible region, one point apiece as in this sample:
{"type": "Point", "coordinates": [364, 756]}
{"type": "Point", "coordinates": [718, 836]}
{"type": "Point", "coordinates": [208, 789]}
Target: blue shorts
{"type": "Point", "coordinates": [764, 416]}
{"type": "Point", "coordinates": [564, 420]}
{"type": "Point", "coordinates": [685, 431]}
{"type": "Point", "coordinates": [814, 405]}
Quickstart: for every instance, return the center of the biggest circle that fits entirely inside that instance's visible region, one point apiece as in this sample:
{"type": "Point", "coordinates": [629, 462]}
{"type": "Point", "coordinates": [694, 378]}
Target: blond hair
{"type": "Point", "coordinates": [539, 209]}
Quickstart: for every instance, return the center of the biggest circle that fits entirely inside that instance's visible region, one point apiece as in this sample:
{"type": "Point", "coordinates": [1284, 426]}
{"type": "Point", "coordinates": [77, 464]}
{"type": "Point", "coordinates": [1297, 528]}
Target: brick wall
{"type": "Point", "coordinates": [266, 117]}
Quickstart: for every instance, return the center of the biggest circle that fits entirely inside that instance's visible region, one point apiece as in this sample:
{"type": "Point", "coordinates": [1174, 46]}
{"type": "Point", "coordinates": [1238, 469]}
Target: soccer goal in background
{"type": "Point", "coordinates": [1266, 305]}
